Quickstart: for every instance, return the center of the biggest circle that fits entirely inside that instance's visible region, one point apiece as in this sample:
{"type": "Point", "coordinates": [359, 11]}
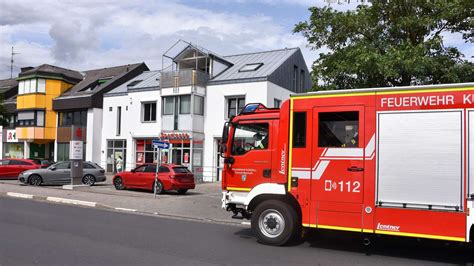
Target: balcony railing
{"type": "Point", "coordinates": [181, 78]}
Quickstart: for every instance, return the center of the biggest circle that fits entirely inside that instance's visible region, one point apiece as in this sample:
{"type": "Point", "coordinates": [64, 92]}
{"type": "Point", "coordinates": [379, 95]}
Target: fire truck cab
{"type": "Point", "coordinates": [394, 161]}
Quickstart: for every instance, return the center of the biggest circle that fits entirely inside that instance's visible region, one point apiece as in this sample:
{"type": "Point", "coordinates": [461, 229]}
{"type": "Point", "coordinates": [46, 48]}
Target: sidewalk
{"type": "Point", "coordinates": [202, 203]}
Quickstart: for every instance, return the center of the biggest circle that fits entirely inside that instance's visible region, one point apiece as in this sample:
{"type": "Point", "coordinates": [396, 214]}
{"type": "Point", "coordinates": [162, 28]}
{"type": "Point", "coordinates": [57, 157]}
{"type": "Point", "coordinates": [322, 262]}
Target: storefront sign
{"type": "Point", "coordinates": [175, 136]}
{"type": "Point", "coordinates": [76, 150]}
{"type": "Point", "coordinates": [11, 135]}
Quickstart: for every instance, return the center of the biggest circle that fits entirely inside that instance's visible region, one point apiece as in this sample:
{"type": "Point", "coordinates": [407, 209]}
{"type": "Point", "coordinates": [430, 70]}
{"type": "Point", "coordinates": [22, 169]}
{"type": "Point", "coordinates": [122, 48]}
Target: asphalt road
{"type": "Point", "coordinates": [43, 233]}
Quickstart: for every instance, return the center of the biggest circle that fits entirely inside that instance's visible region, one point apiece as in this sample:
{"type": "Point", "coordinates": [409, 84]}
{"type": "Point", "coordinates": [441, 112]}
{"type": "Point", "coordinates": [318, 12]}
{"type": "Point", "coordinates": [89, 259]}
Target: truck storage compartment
{"type": "Point", "coordinates": [470, 153]}
{"type": "Point", "coordinates": [420, 157]}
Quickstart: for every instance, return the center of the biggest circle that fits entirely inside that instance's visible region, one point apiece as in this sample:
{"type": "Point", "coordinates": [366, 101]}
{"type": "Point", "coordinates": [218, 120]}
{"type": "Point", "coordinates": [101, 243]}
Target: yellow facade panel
{"type": "Point", "coordinates": [50, 133]}
{"type": "Point", "coordinates": [50, 119]}
{"type": "Point", "coordinates": [39, 133]}
{"type": "Point", "coordinates": [31, 101]}
{"type": "Point", "coordinates": [53, 87]}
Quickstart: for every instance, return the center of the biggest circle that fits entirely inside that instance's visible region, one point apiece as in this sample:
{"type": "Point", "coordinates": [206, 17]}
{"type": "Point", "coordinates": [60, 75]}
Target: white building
{"type": "Point", "coordinates": [131, 119]}
{"type": "Point", "coordinates": [197, 92]}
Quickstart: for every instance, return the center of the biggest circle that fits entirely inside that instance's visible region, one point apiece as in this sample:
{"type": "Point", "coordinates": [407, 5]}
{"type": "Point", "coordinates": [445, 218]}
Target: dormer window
{"type": "Point", "coordinates": [133, 83]}
{"type": "Point", "coordinates": [250, 67]}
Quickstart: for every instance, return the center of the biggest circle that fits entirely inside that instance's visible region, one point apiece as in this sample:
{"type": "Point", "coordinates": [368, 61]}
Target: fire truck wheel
{"type": "Point", "coordinates": [274, 222]}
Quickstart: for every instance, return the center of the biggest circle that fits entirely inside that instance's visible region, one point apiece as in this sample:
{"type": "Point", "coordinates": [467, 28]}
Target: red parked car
{"type": "Point", "coordinates": [170, 177]}
{"type": "Point", "coordinates": [11, 168]}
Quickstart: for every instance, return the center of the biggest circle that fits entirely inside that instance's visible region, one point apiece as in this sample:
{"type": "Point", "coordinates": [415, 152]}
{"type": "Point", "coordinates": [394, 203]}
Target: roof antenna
{"type": "Point", "coordinates": [11, 63]}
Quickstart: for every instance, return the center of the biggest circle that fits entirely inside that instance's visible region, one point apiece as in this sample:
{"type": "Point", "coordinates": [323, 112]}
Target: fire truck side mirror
{"type": "Point", "coordinates": [225, 133]}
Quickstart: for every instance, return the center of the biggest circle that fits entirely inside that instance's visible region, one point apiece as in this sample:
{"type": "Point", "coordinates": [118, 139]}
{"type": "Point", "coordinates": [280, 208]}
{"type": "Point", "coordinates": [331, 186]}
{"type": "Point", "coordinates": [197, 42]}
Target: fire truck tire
{"type": "Point", "coordinates": [275, 223]}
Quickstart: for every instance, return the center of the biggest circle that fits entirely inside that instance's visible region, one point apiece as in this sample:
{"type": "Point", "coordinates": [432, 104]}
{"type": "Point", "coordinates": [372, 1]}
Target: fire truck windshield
{"type": "Point", "coordinates": [249, 137]}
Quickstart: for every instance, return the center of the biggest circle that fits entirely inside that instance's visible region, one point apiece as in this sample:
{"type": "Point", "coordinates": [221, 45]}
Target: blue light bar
{"type": "Point", "coordinates": [250, 108]}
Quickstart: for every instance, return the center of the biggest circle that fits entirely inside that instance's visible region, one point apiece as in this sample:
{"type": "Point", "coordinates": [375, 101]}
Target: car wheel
{"type": "Point", "coordinates": [275, 223]}
{"type": "Point", "coordinates": [35, 180]}
{"type": "Point", "coordinates": [118, 183]}
{"type": "Point", "coordinates": [182, 191]}
{"type": "Point", "coordinates": [88, 180]}
{"type": "Point", "coordinates": [159, 187]}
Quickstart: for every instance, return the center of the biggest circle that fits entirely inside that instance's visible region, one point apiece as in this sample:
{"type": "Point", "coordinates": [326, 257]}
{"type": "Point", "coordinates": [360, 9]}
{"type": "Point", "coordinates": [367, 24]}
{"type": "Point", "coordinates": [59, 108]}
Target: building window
{"type": "Point", "coordinates": [295, 78]}
{"type": "Point", "coordinates": [276, 103]}
{"type": "Point", "coordinates": [12, 121]}
{"type": "Point", "coordinates": [32, 86]}
{"type": "Point", "coordinates": [198, 105]}
{"type": "Point", "coordinates": [77, 118]}
{"type": "Point", "coordinates": [302, 88]}
{"type": "Point", "coordinates": [63, 152]}
{"type": "Point", "coordinates": [250, 67]}
{"type": "Point", "coordinates": [299, 129]}
{"type": "Point", "coordinates": [338, 129]}
{"type": "Point", "coordinates": [234, 105]}
{"type": "Point", "coordinates": [119, 120]}
{"type": "Point", "coordinates": [185, 104]}
{"type": "Point", "coordinates": [149, 112]}
{"type": "Point", "coordinates": [31, 118]}
{"type": "Point", "coordinates": [168, 105]}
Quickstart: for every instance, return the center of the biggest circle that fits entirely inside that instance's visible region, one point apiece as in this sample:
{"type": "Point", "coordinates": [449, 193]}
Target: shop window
{"type": "Point", "coordinates": [234, 105]}
{"type": "Point", "coordinates": [185, 104]}
{"type": "Point", "coordinates": [63, 152]}
{"type": "Point", "coordinates": [198, 105]}
{"type": "Point", "coordinates": [299, 129]}
{"type": "Point", "coordinates": [338, 129]}
{"type": "Point", "coordinates": [149, 112]}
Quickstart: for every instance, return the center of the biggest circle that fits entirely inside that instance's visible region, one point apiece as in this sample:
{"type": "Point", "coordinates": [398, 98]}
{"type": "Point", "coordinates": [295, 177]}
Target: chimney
{"type": "Point", "coordinates": [23, 69]}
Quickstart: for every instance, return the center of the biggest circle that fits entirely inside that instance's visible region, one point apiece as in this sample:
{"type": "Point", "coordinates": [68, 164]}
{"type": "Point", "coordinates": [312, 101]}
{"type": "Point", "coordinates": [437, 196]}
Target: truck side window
{"type": "Point", "coordinates": [299, 129]}
{"type": "Point", "coordinates": [249, 137]}
{"type": "Point", "coordinates": [339, 129]}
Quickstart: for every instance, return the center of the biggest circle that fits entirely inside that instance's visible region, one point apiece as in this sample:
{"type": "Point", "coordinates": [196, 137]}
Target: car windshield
{"type": "Point", "coordinates": [181, 170]}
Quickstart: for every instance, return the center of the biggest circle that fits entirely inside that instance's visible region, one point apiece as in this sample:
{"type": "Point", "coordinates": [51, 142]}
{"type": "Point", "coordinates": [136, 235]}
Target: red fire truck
{"type": "Point", "coordinates": [394, 161]}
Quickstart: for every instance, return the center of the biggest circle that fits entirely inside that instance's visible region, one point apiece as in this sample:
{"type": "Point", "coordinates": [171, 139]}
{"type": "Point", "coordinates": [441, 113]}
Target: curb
{"type": "Point", "coordinates": [96, 205]}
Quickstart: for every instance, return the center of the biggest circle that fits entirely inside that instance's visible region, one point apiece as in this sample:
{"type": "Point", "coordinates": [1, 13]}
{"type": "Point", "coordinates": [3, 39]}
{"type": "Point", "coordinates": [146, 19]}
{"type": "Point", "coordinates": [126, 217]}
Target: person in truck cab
{"type": "Point", "coordinates": [261, 141]}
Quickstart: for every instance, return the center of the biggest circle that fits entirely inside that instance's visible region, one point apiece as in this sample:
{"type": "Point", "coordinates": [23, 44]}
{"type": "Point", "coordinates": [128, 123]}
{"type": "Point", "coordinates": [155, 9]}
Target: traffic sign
{"type": "Point", "coordinates": [160, 144]}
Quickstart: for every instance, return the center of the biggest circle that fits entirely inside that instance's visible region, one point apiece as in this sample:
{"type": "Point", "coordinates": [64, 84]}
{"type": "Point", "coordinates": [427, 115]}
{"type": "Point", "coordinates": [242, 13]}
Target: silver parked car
{"type": "Point", "coordinates": [60, 174]}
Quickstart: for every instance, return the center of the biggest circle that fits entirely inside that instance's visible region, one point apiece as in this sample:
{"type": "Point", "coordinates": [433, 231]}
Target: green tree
{"type": "Point", "coordinates": [389, 43]}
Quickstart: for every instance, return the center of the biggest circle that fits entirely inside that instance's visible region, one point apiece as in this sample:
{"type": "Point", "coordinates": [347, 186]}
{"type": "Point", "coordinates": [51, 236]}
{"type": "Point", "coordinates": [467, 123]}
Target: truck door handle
{"type": "Point", "coordinates": [355, 169]}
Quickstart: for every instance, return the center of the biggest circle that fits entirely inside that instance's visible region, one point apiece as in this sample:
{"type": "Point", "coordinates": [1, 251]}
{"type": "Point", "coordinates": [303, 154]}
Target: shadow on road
{"type": "Point", "coordinates": [399, 247]}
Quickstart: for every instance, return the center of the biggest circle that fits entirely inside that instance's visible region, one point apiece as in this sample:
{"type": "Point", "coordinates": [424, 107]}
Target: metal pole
{"type": "Point", "coordinates": [156, 174]}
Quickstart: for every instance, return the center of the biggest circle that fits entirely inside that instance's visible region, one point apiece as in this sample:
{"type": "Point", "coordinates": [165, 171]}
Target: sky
{"type": "Point", "coordinates": [90, 34]}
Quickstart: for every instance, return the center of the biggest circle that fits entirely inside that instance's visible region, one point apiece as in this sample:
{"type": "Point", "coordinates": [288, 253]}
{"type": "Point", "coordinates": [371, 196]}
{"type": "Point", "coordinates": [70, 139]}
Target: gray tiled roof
{"type": "Point", "coordinates": [89, 85]}
{"type": "Point", "coordinates": [271, 61]}
{"type": "Point", "coordinates": [148, 79]}
{"type": "Point", "coordinates": [52, 70]}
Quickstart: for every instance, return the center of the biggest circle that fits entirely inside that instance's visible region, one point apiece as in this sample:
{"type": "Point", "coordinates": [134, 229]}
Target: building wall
{"type": "Point", "coordinates": [215, 114]}
{"type": "Point", "coordinates": [132, 127]}
{"type": "Point", "coordinates": [54, 88]}
{"type": "Point", "coordinates": [94, 136]}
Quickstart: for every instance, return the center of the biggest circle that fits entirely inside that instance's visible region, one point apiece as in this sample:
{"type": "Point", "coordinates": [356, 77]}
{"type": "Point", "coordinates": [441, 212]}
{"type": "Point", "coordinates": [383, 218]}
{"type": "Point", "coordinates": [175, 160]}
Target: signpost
{"type": "Point", "coordinates": [158, 146]}
{"type": "Point", "coordinates": [76, 151]}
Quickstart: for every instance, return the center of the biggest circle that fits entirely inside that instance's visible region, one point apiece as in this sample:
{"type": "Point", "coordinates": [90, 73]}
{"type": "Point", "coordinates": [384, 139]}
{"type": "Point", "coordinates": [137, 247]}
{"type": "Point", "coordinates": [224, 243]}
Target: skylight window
{"type": "Point", "coordinates": [133, 83]}
{"type": "Point", "coordinates": [250, 67]}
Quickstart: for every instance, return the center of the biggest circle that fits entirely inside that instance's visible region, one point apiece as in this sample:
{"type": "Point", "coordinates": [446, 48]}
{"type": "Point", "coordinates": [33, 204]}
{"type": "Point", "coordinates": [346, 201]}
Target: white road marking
{"type": "Point", "coordinates": [19, 195]}
{"type": "Point", "coordinates": [125, 209]}
{"type": "Point", "coordinates": [246, 223]}
{"type": "Point", "coordinates": [71, 201]}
